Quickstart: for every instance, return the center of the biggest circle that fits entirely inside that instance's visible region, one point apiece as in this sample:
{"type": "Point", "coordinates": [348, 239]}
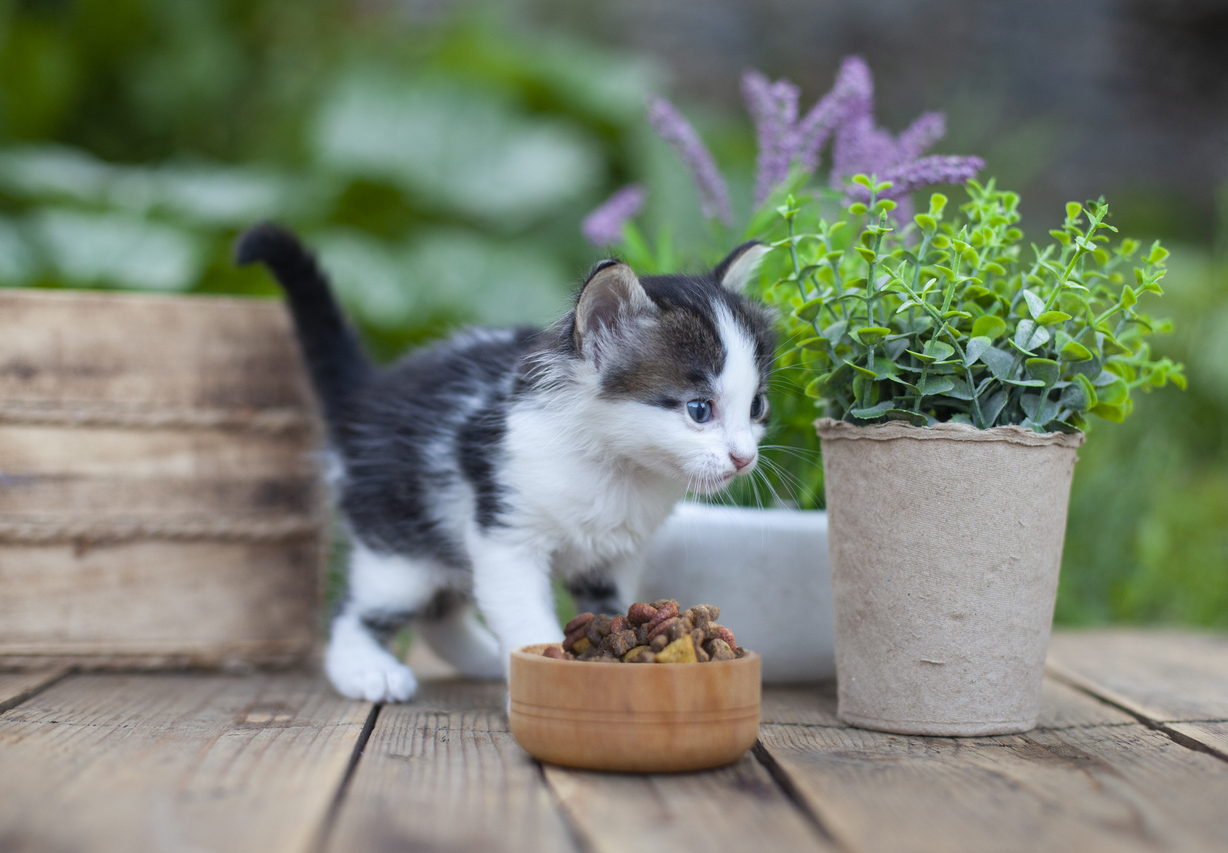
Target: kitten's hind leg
{"type": "Point", "coordinates": [462, 641]}
{"type": "Point", "coordinates": [385, 591]}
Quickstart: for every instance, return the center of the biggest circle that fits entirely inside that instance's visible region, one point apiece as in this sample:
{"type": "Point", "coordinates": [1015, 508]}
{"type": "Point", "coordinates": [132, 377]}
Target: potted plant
{"type": "Point", "coordinates": [955, 369]}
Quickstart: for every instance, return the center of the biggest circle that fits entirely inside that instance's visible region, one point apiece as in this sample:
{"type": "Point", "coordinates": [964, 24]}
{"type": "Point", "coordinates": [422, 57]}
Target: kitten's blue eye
{"type": "Point", "coordinates": [758, 407]}
{"type": "Point", "coordinates": [700, 411]}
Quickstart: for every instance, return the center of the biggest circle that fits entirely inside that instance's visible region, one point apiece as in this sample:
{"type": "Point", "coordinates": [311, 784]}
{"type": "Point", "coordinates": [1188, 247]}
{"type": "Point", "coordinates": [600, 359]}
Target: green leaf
{"type": "Point", "coordinates": [988, 326]}
{"type": "Point", "coordinates": [974, 349]}
{"type": "Point", "coordinates": [1025, 383]}
{"type": "Point", "coordinates": [809, 311]}
{"type": "Point", "coordinates": [999, 362]}
{"type": "Point", "coordinates": [1048, 318]}
{"type": "Point", "coordinates": [1044, 369]}
{"type": "Point", "coordinates": [992, 407]}
{"type": "Point", "coordinates": [871, 335]}
{"type": "Point", "coordinates": [871, 412]}
{"type": "Point", "coordinates": [935, 351]}
{"type": "Point", "coordinates": [1075, 351]}
{"type": "Point", "coordinates": [1109, 412]}
{"type": "Point", "coordinates": [914, 418]}
{"type": "Point", "coordinates": [1128, 297]}
{"type": "Point", "coordinates": [959, 389]}
{"type": "Point", "coordinates": [866, 254]}
{"type": "Point", "coordinates": [925, 222]}
{"type": "Point", "coordinates": [936, 385]}
{"type": "Point", "coordinates": [1115, 392]}
{"type": "Point", "coordinates": [1029, 335]}
{"type": "Point", "coordinates": [835, 331]}
{"type": "Point", "coordinates": [863, 371]}
{"type": "Point", "coordinates": [1036, 305]}
{"type": "Point", "coordinates": [815, 344]}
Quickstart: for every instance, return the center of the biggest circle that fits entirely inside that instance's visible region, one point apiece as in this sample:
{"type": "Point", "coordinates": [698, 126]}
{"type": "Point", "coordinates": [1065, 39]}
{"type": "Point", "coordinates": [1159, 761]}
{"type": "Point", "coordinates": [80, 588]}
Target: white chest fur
{"type": "Point", "coordinates": [585, 506]}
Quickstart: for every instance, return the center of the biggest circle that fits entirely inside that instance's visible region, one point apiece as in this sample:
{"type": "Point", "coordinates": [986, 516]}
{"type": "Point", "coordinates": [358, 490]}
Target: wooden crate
{"type": "Point", "coordinates": [160, 503]}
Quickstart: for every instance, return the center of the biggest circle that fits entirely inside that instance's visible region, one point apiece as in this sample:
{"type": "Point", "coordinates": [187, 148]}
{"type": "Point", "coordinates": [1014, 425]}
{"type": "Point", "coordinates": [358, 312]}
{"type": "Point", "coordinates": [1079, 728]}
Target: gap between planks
{"type": "Point", "coordinates": [1209, 736]}
{"type": "Point", "coordinates": [17, 687]}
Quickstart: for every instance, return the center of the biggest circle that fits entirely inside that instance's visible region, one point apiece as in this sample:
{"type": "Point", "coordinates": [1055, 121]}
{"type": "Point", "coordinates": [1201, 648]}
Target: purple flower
{"type": "Point", "coordinates": [773, 107]}
{"type": "Point", "coordinates": [782, 139]}
{"type": "Point", "coordinates": [604, 225]}
{"type": "Point", "coordinates": [710, 184]}
{"type": "Point", "coordinates": [863, 148]}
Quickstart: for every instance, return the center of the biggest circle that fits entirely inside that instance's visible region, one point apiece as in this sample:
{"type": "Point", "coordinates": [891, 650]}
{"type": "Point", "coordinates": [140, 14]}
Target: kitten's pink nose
{"type": "Point", "coordinates": [741, 462]}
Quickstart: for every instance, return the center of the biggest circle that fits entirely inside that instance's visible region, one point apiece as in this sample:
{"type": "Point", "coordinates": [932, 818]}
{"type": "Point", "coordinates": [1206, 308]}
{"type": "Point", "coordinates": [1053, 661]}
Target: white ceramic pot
{"type": "Point", "coordinates": [766, 569]}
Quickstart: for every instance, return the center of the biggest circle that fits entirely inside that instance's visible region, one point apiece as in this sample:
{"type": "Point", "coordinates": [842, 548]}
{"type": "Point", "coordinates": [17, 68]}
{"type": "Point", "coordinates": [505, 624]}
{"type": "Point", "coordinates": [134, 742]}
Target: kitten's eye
{"type": "Point", "coordinates": [700, 411]}
{"type": "Point", "coordinates": [758, 407]}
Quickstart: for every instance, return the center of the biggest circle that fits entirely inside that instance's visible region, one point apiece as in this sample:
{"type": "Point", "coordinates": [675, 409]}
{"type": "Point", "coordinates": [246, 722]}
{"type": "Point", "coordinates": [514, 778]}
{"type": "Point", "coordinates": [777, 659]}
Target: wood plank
{"type": "Point", "coordinates": [135, 762]}
{"type": "Point", "coordinates": [1212, 737]}
{"type": "Point", "coordinates": [16, 687]}
{"type": "Point", "coordinates": [149, 350]}
{"type": "Point", "coordinates": [1163, 676]}
{"type": "Point", "coordinates": [815, 705]}
{"type": "Point", "coordinates": [158, 603]}
{"type": "Point", "coordinates": [1106, 788]}
{"type": "Point", "coordinates": [443, 773]}
{"type": "Point", "coordinates": [730, 808]}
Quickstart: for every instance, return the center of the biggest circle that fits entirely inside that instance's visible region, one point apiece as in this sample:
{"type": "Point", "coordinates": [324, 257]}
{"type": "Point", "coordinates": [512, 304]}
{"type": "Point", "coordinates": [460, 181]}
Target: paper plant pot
{"type": "Point", "coordinates": [945, 545]}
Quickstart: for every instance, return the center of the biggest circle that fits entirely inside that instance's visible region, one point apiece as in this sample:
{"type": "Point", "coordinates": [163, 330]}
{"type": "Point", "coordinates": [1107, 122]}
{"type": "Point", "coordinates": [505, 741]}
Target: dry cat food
{"type": "Point", "coordinates": [649, 633]}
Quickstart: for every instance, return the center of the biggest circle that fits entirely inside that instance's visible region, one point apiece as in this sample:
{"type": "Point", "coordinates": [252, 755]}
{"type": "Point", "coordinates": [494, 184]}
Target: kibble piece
{"type": "Point", "coordinates": [680, 651]}
{"type": "Point", "coordinates": [726, 635]}
{"type": "Point", "coordinates": [659, 642]}
{"type": "Point", "coordinates": [706, 612]}
{"type": "Point", "coordinates": [719, 650]}
{"type": "Point", "coordinates": [662, 602]}
{"type": "Point", "coordinates": [598, 628]}
{"type": "Point", "coordinates": [579, 622]}
{"type": "Point", "coordinates": [664, 613]}
{"type": "Point", "coordinates": [638, 614]}
{"type": "Point", "coordinates": [574, 637]}
{"type": "Point", "coordinates": [681, 627]}
{"type": "Point", "coordinates": [581, 646]}
{"type": "Point", "coordinates": [662, 628]}
{"type": "Point", "coordinates": [619, 643]}
{"type": "Point", "coordinates": [640, 654]}
{"type": "Point", "coordinates": [641, 635]}
{"type": "Point", "coordinates": [554, 652]}
{"type": "Point", "coordinates": [619, 623]}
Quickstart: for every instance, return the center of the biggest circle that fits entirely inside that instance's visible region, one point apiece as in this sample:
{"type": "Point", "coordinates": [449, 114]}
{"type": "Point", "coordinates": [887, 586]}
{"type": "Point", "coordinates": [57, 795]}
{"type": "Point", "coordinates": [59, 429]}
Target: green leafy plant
{"type": "Point", "coordinates": [954, 319]}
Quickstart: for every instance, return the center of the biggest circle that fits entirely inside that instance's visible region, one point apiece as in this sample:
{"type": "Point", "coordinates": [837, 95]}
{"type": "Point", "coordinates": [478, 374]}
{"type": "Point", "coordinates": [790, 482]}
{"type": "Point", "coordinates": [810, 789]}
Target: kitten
{"type": "Point", "coordinates": [475, 469]}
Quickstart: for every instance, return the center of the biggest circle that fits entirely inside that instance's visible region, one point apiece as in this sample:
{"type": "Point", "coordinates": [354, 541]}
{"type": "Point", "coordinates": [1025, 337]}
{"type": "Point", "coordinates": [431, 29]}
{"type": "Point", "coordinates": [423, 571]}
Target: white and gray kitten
{"type": "Point", "coordinates": [476, 469]}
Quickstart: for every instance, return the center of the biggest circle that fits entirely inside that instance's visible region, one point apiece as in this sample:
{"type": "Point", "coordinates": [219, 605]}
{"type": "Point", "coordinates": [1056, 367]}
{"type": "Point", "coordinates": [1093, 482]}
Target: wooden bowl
{"type": "Point", "coordinates": [636, 718]}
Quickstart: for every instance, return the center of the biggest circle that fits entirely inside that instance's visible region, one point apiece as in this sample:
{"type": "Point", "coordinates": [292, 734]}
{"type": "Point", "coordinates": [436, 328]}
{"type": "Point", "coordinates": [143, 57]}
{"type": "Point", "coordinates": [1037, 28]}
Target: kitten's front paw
{"type": "Point", "coordinates": [376, 678]}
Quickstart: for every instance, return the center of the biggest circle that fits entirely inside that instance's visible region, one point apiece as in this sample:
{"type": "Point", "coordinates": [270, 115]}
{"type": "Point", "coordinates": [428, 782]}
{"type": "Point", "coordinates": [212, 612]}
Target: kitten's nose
{"type": "Point", "coordinates": [741, 462]}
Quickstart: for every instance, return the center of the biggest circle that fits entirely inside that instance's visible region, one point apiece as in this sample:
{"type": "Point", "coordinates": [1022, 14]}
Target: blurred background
{"type": "Point", "coordinates": [440, 156]}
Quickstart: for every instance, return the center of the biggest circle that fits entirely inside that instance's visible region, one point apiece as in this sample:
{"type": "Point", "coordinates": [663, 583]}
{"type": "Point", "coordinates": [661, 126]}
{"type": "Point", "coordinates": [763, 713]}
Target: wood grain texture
{"type": "Point", "coordinates": [1061, 706]}
{"type": "Point", "coordinates": [1163, 676]}
{"type": "Point", "coordinates": [640, 718]}
{"type": "Point", "coordinates": [148, 351]}
{"type": "Point", "coordinates": [737, 807]}
{"type": "Point", "coordinates": [159, 603]}
{"type": "Point", "coordinates": [172, 763]}
{"type": "Point", "coordinates": [1106, 788]}
{"type": "Point", "coordinates": [443, 773]}
{"type": "Point", "coordinates": [16, 687]}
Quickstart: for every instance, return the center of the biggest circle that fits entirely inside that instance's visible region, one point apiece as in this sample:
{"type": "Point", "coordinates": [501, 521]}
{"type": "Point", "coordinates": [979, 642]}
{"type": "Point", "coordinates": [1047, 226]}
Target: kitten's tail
{"type": "Point", "coordinates": [334, 356]}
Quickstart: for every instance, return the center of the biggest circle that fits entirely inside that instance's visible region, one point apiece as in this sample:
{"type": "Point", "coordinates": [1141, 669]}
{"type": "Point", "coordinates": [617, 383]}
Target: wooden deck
{"type": "Point", "coordinates": [1131, 754]}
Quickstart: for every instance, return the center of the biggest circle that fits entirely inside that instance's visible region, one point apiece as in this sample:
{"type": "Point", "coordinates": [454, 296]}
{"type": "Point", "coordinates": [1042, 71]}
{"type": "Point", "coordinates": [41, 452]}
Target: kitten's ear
{"type": "Point", "coordinates": [611, 296]}
{"type": "Point", "coordinates": [736, 271]}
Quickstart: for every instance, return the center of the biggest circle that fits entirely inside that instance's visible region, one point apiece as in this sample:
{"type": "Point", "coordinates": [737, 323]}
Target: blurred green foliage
{"type": "Point", "coordinates": [442, 172]}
